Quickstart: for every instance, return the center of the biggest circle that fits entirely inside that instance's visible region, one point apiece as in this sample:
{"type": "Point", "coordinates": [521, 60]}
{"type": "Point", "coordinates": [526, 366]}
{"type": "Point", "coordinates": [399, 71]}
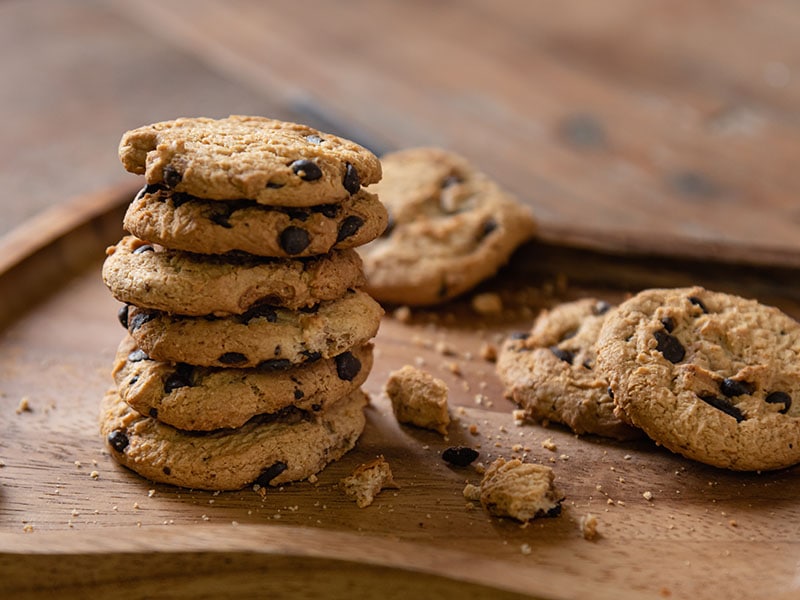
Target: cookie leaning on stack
{"type": "Point", "coordinates": [248, 336]}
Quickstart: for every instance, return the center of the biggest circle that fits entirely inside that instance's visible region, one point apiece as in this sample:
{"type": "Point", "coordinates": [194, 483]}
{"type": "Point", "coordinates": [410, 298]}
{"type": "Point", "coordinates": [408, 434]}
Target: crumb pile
{"type": "Point", "coordinates": [248, 334]}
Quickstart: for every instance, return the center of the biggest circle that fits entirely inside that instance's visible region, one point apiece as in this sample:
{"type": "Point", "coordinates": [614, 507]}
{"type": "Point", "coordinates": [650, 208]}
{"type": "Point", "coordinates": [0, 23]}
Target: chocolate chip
{"type": "Point", "coordinates": [139, 319]}
{"type": "Point", "coordinates": [232, 358]}
{"type": "Point", "coordinates": [310, 356]}
{"type": "Point", "coordinates": [133, 380]}
{"type": "Point", "coordinates": [138, 355]}
{"type": "Point", "coordinates": [259, 312]}
{"type": "Point", "coordinates": [347, 366]}
{"type": "Point", "coordinates": [166, 471]}
{"type": "Point", "coordinates": [488, 227]}
{"type": "Point", "coordinates": [314, 139]}
{"type": "Point", "coordinates": [306, 170]}
{"type": "Point", "coordinates": [668, 324]}
{"type": "Point", "coordinates": [553, 512]}
{"type": "Point", "coordinates": [316, 407]}
{"type": "Point", "coordinates": [780, 398]}
{"type": "Point", "coordinates": [460, 456]}
{"type": "Point", "coordinates": [451, 180]}
{"type": "Point", "coordinates": [601, 308]}
{"type": "Point", "coordinates": [568, 335]}
{"type": "Point", "coordinates": [564, 355]}
{"type": "Point", "coordinates": [294, 240]}
{"type": "Point", "coordinates": [143, 248]}
{"type": "Point", "coordinates": [221, 218]}
{"type": "Point", "coordinates": [519, 335]}
{"type": "Point", "coordinates": [298, 394]}
{"type": "Point", "coordinates": [178, 198]}
{"type": "Point", "coordinates": [153, 412]}
{"type": "Point", "coordinates": [274, 185]}
{"type": "Point", "coordinates": [328, 210]}
{"type": "Point", "coordinates": [669, 346]}
{"type": "Point", "coordinates": [270, 473]}
{"type": "Point", "coordinates": [610, 392]}
{"type": "Point", "coordinates": [349, 227]}
{"type": "Point", "coordinates": [697, 302]}
{"type": "Point", "coordinates": [275, 364]}
{"type": "Point", "coordinates": [172, 176]}
{"type": "Point", "coordinates": [182, 377]}
{"type": "Point", "coordinates": [732, 387]}
{"type": "Point", "coordinates": [442, 289]}
{"type": "Point", "coordinates": [351, 181]}
{"type": "Point", "coordinates": [118, 440]}
{"type": "Point", "coordinates": [122, 315]}
{"type": "Point", "coordinates": [725, 406]}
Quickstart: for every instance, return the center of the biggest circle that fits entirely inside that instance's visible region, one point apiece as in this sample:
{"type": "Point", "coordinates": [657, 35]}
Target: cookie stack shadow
{"type": "Point", "coordinates": [248, 336]}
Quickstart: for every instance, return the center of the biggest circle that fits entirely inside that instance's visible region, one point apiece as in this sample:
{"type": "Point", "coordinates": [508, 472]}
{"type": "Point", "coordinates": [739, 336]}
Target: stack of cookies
{"type": "Point", "coordinates": [708, 375]}
{"type": "Point", "coordinates": [248, 336]}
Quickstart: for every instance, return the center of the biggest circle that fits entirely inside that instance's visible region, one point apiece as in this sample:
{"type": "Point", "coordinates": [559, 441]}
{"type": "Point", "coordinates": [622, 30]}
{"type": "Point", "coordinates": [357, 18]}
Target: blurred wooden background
{"type": "Point", "coordinates": [664, 126]}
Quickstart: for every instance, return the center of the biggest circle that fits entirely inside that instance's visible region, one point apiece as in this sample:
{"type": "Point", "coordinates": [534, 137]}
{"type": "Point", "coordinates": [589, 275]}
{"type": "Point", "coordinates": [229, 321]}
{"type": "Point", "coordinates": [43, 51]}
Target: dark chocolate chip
{"type": "Point", "coordinates": [780, 398]}
{"type": "Point", "coordinates": [273, 185]}
{"type": "Point", "coordinates": [118, 440]}
{"type": "Point", "coordinates": [167, 471]}
{"type": "Point", "coordinates": [306, 169]}
{"type": "Point", "coordinates": [488, 227]}
{"type": "Point", "coordinates": [310, 356]}
{"type": "Point", "coordinates": [138, 355]}
{"type": "Point", "coordinates": [601, 308]}
{"type": "Point", "coordinates": [553, 512]}
{"type": "Point", "coordinates": [182, 377]}
{"type": "Point", "coordinates": [153, 412]}
{"type": "Point", "coordinates": [122, 315]}
{"type": "Point", "coordinates": [139, 319]}
{"type": "Point", "coordinates": [732, 387]}
{"type": "Point", "coordinates": [519, 335]}
{"type": "Point", "coordinates": [221, 218]}
{"type": "Point", "coordinates": [294, 240]}
{"type": "Point", "coordinates": [460, 456]}
{"type": "Point", "coordinates": [697, 302]}
{"type": "Point", "coordinates": [669, 346]}
{"type": "Point", "coordinates": [351, 181]}
{"type": "Point", "coordinates": [275, 364]}
{"type": "Point", "coordinates": [178, 198]}
{"type": "Point", "coordinates": [298, 394]}
{"type": "Point", "coordinates": [725, 406]}
{"type": "Point", "coordinates": [172, 176]}
{"type": "Point", "coordinates": [442, 289]}
{"type": "Point", "coordinates": [564, 355]}
{"type": "Point", "coordinates": [314, 139]}
{"type": "Point", "coordinates": [232, 358]}
{"type": "Point", "coordinates": [347, 366]}
{"type": "Point", "coordinates": [259, 312]}
{"type": "Point", "coordinates": [144, 248]}
{"type": "Point", "coordinates": [316, 407]}
{"type": "Point", "coordinates": [668, 323]}
{"type": "Point", "coordinates": [133, 380]}
{"type": "Point", "coordinates": [270, 473]}
{"type": "Point", "coordinates": [328, 210]}
{"type": "Point", "coordinates": [349, 227]}
{"type": "Point", "coordinates": [568, 335]}
{"type": "Point", "coordinates": [610, 392]}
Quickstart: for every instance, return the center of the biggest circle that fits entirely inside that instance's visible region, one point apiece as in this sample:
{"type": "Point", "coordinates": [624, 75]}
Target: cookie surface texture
{"type": "Point", "coordinates": [711, 376]}
{"type": "Point", "coordinates": [450, 227]}
{"type": "Point", "coordinates": [193, 284]}
{"type": "Point", "coordinates": [269, 161]}
{"type": "Point", "coordinates": [265, 451]}
{"type": "Point", "coordinates": [182, 222]}
{"type": "Point", "coordinates": [203, 399]}
{"type": "Point", "coordinates": [265, 337]}
{"type": "Point", "coordinates": [551, 373]}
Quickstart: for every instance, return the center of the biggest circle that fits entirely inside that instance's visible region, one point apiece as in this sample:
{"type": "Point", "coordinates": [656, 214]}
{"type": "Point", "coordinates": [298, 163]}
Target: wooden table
{"type": "Point", "coordinates": [657, 143]}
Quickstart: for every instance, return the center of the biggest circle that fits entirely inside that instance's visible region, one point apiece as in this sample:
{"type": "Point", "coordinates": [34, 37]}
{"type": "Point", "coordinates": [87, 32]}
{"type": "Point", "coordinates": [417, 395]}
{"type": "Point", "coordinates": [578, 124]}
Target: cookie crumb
{"type": "Point", "coordinates": [24, 406]}
{"type": "Point", "coordinates": [403, 314]}
{"type": "Point", "coordinates": [2, 463]}
{"type": "Point", "coordinates": [418, 399]}
{"type": "Point", "coordinates": [522, 491]}
{"type": "Point", "coordinates": [313, 478]}
{"type": "Point", "coordinates": [367, 480]}
{"type": "Point", "coordinates": [647, 495]}
{"type": "Point", "coordinates": [488, 352]}
{"type": "Point", "coordinates": [472, 492]}
{"type": "Point", "coordinates": [549, 444]}
{"type": "Point", "coordinates": [151, 493]}
{"type": "Point", "coordinates": [444, 348]}
{"type": "Point", "coordinates": [94, 475]}
{"type": "Point", "coordinates": [488, 303]}
{"type": "Point", "coordinates": [525, 549]}
{"type": "Point", "coordinates": [28, 528]}
{"type": "Point", "coordinates": [588, 525]}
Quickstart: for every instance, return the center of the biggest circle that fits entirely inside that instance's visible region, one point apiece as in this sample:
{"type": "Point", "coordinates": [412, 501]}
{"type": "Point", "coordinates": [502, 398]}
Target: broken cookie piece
{"type": "Point", "coordinates": [522, 491]}
{"type": "Point", "coordinates": [418, 399]}
{"type": "Point", "coordinates": [367, 481]}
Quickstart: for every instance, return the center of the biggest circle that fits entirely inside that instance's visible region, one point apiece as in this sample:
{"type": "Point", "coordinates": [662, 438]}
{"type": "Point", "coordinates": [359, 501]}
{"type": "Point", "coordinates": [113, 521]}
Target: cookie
{"type": "Point", "coordinates": [367, 481]}
{"type": "Point", "coordinates": [450, 227]}
{"type": "Point", "coordinates": [711, 376]}
{"type": "Point", "coordinates": [182, 222]}
{"type": "Point", "coordinates": [522, 491]}
{"type": "Point", "coordinates": [265, 337]}
{"type": "Point", "coordinates": [206, 398]}
{"type": "Point", "coordinates": [232, 284]}
{"type": "Point", "coordinates": [418, 398]}
{"type": "Point", "coordinates": [267, 450]}
{"type": "Point", "coordinates": [272, 162]}
{"type": "Point", "coordinates": [550, 372]}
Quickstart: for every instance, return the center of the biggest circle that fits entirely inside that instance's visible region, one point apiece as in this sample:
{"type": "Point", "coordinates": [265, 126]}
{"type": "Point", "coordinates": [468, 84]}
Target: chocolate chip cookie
{"type": "Point", "coordinates": [206, 398]}
{"type": "Point", "coordinates": [272, 162]}
{"type": "Point", "coordinates": [195, 284]}
{"type": "Point", "coordinates": [708, 375]}
{"type": "Point", "coordinates": [551, 373]}
{"type": "Point", "coordinates": [182, 222]}
{"type": "Point", "coordinates": [450, 227]}
{"type": "Point", "coordinates": [268, 450]}
{"type": "Point", "coordinates": [264, 337]}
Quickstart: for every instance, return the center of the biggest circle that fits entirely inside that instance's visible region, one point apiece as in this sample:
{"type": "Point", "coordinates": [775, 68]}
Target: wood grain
{"type": "Point", "coordinates": [72, 520]}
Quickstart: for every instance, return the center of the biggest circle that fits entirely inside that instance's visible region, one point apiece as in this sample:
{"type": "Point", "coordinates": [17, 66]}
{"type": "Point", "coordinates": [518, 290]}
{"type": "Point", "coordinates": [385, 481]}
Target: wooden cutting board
{"type": "Point", "coordinates": [74, 523]}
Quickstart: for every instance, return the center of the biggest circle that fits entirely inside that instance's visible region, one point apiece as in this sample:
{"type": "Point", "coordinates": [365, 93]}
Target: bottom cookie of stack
{"type": "Point", "coordinates": [290, 445]}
